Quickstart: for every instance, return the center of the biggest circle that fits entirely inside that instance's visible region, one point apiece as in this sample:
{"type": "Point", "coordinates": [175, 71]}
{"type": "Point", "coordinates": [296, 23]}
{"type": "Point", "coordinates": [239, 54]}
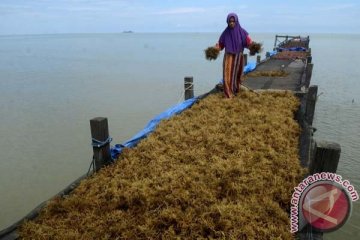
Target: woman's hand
{"type": "Point", "coordinates": [248, 41]}
{"type": "Point", "coordinates": [217, 46]}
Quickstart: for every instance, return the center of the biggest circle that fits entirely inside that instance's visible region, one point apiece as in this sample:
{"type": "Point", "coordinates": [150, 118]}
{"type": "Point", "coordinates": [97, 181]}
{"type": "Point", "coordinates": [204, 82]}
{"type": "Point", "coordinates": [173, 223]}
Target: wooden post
{"type": "Point", "coordinates": [258, 58]}
{"type": "Point", "coordinates": [276, 37]}
{"type": "Point", "coordinates": [308, 41]}
{"type": "Point", "coordinates": [189, 87]}
{"type": "Point", "coordinates": [245, 59]}
{"type": "Point", "coordinates": [310, 104]}
{"type": "Point", "coordinates": [309, 59]}
{"type": "Point", "coordinates": [327, 155]}
{"type": "Point", "coordinates": [308, 72]}
{"type": "Point", "coordinates": [100, 142]}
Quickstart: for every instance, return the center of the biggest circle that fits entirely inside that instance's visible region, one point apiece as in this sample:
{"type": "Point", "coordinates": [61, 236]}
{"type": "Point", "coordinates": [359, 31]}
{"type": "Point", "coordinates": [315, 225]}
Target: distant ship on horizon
{"type": "Point", "coordinates": [128, 31]}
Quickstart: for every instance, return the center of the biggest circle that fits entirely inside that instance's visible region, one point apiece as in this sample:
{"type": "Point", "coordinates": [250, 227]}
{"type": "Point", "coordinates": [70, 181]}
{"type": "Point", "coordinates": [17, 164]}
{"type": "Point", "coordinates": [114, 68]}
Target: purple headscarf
{"type": "Point", "coordinates": [233, 39]}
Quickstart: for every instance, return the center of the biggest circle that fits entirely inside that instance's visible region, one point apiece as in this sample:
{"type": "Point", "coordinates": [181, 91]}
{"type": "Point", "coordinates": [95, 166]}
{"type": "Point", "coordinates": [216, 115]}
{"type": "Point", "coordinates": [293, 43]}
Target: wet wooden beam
{"type": "Point", "coordinates": [100, 140]}
{"type": "Point", "coordinates": [258, 59]}
{"type": "Point", "coordinates": [189, 87]}
{"type": "Point", "coordinates": [326, 157]}
{"type": "Point", "coordinates": [310, 104]}
{"type": "Point", "coordinates": [308, 74]}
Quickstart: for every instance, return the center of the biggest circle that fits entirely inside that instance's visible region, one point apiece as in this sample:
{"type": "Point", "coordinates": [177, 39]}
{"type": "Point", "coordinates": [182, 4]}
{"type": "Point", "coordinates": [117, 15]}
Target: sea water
{"type": "Point", "coordinates": [52, 85]}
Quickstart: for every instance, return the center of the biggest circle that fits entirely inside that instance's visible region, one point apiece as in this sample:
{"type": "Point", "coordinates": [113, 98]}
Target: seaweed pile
{"type": "Point", "coordinates": [255, 48]}
{"type": "Point", "coordinates": [291, 55]}
{"type": "Point", "coordinates": [211, 53]}
{"type": "Point", "coordinates": [273, 73]}
{"type": "Point", "coordinates": [224, 169]}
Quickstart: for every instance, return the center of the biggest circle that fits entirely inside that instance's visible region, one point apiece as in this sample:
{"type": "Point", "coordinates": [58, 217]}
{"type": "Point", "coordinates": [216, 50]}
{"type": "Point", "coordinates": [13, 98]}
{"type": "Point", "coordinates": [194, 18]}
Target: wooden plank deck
{"type": "Point", "coordinates": [292, 82]}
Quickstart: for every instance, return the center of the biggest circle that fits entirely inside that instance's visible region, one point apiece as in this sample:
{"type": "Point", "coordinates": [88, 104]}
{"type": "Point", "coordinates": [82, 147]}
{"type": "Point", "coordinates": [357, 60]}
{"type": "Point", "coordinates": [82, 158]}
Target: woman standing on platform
{"type": "Point", "coordinates": [234, 39]}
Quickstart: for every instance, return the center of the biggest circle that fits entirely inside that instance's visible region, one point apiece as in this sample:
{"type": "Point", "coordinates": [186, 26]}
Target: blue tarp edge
{"type": "Point", "coordinates": [250, 67]}
{"type": "Point", "coordinates": [296, 49]}
{"type": "Point", "coordinates": [150, 127]}
{"type": "Point", "coordinates": [272, 53]}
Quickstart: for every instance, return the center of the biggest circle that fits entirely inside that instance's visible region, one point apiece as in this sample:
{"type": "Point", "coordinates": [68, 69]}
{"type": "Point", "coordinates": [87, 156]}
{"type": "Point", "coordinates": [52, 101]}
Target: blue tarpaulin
{"type": "Point", "coordinates": [272, 53]}
{"type": "Point", "coordinates": [250, 67]}
{"type": "Point", "coordinates": [297, 49]}
{"type": "Point", "coordinates": [150, 127]}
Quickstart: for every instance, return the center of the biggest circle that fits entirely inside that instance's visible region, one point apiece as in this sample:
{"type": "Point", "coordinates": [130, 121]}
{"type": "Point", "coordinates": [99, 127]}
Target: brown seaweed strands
{"type": "Point", "coordinates": [211, 53]}
{"type": "Point", "coordinates": [278, 73]}
{"type": "Point", "coordinates": [224, 169]}
{"type": "Point", "coordinates": [291, 55]}
{"type": "Point", "coordinates": [255, 48]}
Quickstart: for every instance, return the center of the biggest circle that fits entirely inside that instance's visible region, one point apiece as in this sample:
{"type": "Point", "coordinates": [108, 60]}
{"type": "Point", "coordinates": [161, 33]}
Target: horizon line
{"type": "Point", "coordinates": [126, 32]}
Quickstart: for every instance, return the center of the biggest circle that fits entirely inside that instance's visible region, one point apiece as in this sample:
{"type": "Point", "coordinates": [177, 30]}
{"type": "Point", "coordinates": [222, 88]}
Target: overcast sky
{"type": "Point", "coordinates": [107, 16]}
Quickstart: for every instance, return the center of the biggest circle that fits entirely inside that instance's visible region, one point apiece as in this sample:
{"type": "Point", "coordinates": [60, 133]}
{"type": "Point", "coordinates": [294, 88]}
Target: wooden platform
{"type": "Point", "coordinates": [293, 82]}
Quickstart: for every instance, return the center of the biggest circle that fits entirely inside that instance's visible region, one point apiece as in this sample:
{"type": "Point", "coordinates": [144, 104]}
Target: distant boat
{"type": "Point", "coordinates": [128, 32]}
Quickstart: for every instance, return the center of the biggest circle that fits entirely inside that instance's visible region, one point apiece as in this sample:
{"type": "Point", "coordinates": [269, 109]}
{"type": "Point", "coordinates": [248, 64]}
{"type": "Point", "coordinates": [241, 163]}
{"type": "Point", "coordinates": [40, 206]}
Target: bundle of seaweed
{"type": "Point", "coordinates": [255, 48]}
{"type": "Point", "coordinates": [211, 53]}
{"type": "Point", "coordinates": [220, 170]}
{"type": "Point", "coordinates": [291, 55]}
{"type": "Point", "coordinates": [274, 73]}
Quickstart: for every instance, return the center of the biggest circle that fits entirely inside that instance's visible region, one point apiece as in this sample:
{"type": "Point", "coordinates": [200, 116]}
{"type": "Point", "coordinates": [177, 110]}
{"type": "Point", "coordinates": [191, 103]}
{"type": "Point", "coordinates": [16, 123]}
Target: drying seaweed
{"type": "Point", "coordinates": [274, 73]}
{"type": "Point", "coordinates": [291, 55]}
{"type": "Point", "coordinates": [255, 48]}
{"type": "Point", "coordinates": [224, 169]}
{"type": "Point", "coordinates": [211, 53]}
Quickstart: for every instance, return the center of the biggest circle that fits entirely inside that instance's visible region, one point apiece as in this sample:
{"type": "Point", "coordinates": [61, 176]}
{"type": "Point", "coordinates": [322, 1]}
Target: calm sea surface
{"type": "Point", "coordinates": [52, 85]}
